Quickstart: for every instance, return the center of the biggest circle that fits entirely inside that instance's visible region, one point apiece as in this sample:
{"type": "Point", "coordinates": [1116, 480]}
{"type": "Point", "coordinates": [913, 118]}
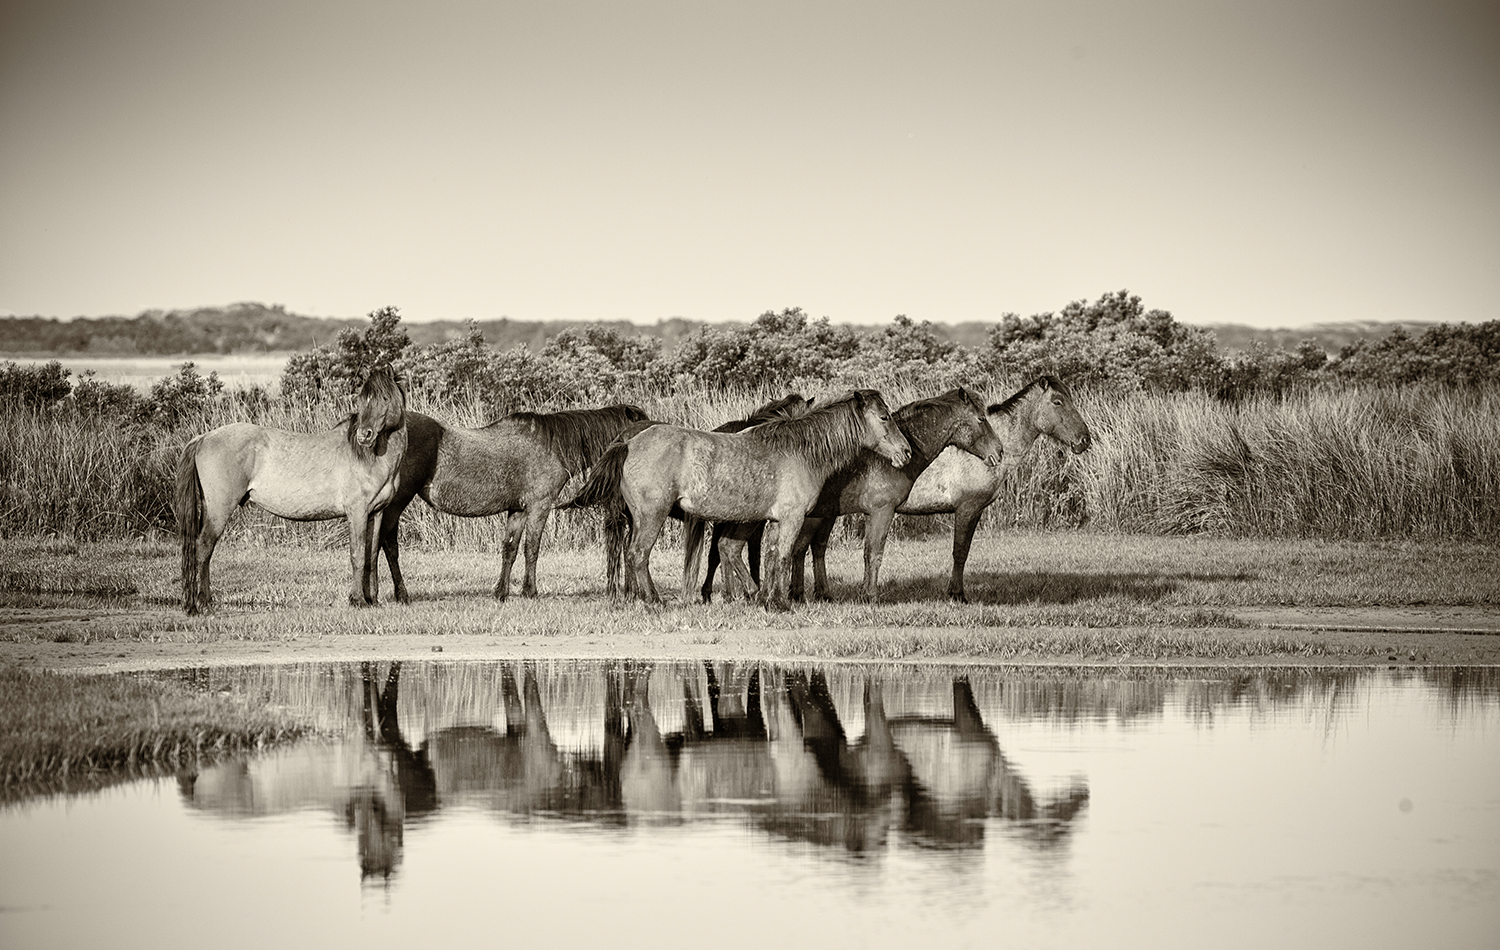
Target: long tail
{"type": "Point", "coordinates": [188, 506]}
{"type": "Point", "coordinates": [602, 486]}
{"type": "Point", "coordinates": [692, 547]}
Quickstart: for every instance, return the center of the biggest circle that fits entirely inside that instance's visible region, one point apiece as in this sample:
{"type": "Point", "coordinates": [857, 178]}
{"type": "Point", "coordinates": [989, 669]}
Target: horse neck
{"type": "Point", "coordinates": [927, 439]}
{"type": "Point", "coordinates": [1016, 428]}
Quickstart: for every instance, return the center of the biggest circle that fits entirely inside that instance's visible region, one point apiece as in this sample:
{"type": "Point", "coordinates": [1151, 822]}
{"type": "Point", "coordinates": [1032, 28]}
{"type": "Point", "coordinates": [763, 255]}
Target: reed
{"type": "Point", "coordinates": [1363, 463]}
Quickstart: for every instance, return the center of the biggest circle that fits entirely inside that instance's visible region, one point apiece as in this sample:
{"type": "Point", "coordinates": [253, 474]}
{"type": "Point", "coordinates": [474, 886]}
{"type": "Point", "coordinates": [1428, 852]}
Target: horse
{"type": "Point", "coordinates": [956, 418]}
{"type": "Point", "coordinates": [517, 465]}
{"type": "Point", "coordinates": [349, 470]}
{"type": "Point", "coordinates": [617, 526]}
{"type": "Point", "coordinates": [735, 537]}
{"type": "Point", "coordinates": [959, 483]}
{"type": "Point", "coordinates": [770, 472]}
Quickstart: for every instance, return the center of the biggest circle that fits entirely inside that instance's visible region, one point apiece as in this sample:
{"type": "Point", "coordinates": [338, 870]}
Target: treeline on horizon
{"type": "Point", "coordinates": [249, 327]}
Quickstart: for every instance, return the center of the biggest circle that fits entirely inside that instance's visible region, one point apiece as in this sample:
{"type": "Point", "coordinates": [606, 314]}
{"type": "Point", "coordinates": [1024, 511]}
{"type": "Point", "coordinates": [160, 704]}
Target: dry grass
{"type": "Point", "coordinates": [70, 733]}
{"type": "Point", "coordinates": [1074, 593]}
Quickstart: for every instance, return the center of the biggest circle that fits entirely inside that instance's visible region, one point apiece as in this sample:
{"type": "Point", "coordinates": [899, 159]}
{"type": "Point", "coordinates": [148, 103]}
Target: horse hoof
{"type": "Point", "coordinates": [957, 596]}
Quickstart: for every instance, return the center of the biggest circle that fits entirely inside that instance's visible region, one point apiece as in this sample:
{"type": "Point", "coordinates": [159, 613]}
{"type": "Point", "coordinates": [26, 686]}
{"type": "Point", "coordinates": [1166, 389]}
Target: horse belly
{"type": "Point", "coordinates": [728, 488]}
{"type": "Point", "coordinates": [953, 476]}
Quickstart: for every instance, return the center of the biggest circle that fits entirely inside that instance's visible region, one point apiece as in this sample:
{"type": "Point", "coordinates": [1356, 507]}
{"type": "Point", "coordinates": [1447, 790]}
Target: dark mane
{"type": "Point", "coordinates": [1043, 381]}
{"type": "Point", "coordinates": [829, 434]}
{"type": "Point", "coordinates": [790, 406]}
{"type": "Point", "coordinates": [576, 436]}
{"type": "Point", "coordinates": [382, 392]}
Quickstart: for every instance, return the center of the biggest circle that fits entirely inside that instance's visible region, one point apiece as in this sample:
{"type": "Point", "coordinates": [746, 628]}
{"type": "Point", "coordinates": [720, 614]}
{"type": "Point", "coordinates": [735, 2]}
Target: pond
{"type": "Point", "coordinates": [745, 804]}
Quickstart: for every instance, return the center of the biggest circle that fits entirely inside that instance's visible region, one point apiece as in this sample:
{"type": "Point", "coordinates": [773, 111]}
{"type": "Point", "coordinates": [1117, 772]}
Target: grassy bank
{"type": "Point", "coordinates": [75, 733]}
{"type": "Point", "coordinates": [1075, 594]}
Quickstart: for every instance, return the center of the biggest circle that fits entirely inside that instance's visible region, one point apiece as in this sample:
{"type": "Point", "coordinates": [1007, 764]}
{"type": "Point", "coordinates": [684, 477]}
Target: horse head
{"type": "Point", "coordinates": [1057, 416]}
{"type": "Point", "coordinates": [881, 431]}
{"type": "Point", "coordinates": [973, 432]}
{"type": "Point", "coordinates": [382, 408]}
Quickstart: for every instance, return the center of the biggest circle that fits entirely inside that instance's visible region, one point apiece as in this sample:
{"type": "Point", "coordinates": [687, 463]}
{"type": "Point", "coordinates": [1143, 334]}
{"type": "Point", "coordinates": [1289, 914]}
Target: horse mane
{"type": "Point", "coordinates": [383, 392]}
{"type": "Point", "coordinates": [790, 406]}
{"type": "Point", "coordinates": [1045, 381]}
{"type": "Point", "coordinates": [577, 436]}
{"type": "Point", "coordinates": [828, 434]}
{"type": "Point", "coordinates": [953, 397]}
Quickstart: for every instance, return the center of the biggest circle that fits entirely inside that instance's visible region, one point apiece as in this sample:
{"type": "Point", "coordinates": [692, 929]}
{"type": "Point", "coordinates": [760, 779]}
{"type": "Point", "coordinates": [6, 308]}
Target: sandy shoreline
{"type": "Point", "coordinates": [1408, 636]}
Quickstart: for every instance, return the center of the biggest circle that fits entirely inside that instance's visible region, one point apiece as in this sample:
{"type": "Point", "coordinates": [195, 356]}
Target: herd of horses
{"type": "Point", "coordinates": [776, 480]}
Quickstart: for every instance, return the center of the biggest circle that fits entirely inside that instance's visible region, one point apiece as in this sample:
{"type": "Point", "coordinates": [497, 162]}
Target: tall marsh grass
{"type": "Point", "coordinates": [1359, 463]}
{"type": "Point", "coordinates": [1354, 463]}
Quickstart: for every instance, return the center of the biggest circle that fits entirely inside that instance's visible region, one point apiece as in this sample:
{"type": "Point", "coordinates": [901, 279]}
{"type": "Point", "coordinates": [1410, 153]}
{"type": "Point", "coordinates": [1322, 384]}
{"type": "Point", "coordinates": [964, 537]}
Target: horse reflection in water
{"type": "Point", "coordinates": [377, 784]}
{"type": "Point", "coordinates": [742, 739]}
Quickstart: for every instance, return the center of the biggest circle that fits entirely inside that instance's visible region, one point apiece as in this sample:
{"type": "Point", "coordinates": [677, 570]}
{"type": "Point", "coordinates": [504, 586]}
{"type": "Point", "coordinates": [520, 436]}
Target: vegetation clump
{"type": "Point", "coordinates": [76, 732]}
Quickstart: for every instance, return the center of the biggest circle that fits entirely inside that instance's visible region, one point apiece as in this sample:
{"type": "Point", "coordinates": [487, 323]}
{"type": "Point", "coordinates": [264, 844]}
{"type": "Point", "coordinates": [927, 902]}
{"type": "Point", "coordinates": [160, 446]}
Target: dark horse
{"type": "Point", "coordinates": [770, 472]}
{"type": "Point", "coordinates": [617, 528]}
{"type": "Point", "coordinates": [869, 486]}
{"type": "Point", "coordinates": [348, 471]}
{"type": "Point", "coordinates": [516, 465]}
{"type": "Point", "coordinates": [959, 483]}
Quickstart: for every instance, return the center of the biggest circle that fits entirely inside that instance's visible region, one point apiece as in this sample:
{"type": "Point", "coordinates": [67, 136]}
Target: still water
{"type": "Point", "coordinates": [752, 805]}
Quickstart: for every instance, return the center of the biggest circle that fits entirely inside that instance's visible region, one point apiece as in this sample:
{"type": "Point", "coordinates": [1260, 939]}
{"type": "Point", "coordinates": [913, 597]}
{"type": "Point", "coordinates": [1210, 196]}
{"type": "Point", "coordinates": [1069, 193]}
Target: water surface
{"type": "Point", "coordinates": [736, 805]}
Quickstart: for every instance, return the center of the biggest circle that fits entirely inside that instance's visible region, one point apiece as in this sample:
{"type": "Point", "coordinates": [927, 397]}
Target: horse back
{"type": "Point", "coordinates": [295, 475]}
{"type": "Point", "coordinates": [501, 467]}
{"type": "Point", "coordinates": [718, 476]}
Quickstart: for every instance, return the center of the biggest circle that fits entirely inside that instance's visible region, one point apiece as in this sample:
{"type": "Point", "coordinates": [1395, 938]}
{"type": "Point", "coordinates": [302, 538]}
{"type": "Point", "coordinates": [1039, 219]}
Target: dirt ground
{"type": "Point", "coordinates": [1414, 636]}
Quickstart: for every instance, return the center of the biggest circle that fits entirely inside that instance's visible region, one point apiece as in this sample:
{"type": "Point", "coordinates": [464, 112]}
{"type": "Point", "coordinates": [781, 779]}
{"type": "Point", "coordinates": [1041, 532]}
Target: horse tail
{"type": "Point", "coordinates": [602, 486]}
{"type": "Point", "coordinates": [692, 546]}
{"type": "Point", "coordinates": [188, 507]}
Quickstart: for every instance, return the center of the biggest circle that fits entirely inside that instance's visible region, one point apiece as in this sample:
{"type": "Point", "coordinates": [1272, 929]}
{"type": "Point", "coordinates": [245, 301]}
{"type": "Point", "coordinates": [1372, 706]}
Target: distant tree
{"type": "Point", "coordinates": [599, 362]}
{"type": "Point", "coordinates": [778, 349]}
{"type": "Point", "coordinates": [340, 369]}
{"type": "Point", "coordinates": [1262, 370]}
{"type": "Point", "coordinates": [1455, 355]}
{"type": "Point", "coordinates": [908, 353]}
{"type": "Point", "coordinates": [1112, 343]}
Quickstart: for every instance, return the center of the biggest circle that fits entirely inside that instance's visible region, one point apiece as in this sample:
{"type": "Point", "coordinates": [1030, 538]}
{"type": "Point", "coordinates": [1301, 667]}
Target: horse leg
{"type": "Point", "coordinates": [737, 578]}
{"type": "Point", "coordinates": [536, 522]}
{"type": "Point", "coordinates": [391, 545]}
{"type": "Point", "coordinates": [799, 557]}
{"type": "Point", "coordinates": [359, 550]}
{"type": "Point", "coordinates": [706, 593]}
{"type": "Point", "coordinates": [214, 523]}
{"type": "Point", "coordinates": [965, 520]}
{"type": "Point", "coordinates": [515, 523]}
{"type": "Point", "coordinates": [820, 537]}
{"type": "Point", "coordinates": [638, 555]}
{"type": "Point", "coordinates": [372, 557]}
{"type": "Point", "coordinates": [877, 527]}
{"type": "Point", "coordinates": [779, 560]}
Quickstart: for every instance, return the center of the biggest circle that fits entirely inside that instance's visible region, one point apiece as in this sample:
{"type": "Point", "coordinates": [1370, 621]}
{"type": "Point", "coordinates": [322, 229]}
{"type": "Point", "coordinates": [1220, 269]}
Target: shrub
{"type": "Point", "coordinates": [34, 386]}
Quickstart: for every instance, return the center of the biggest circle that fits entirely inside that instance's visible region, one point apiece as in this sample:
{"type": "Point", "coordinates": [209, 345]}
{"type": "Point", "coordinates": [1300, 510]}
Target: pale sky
{"type": "Point", "coordinates": [1269, 163]}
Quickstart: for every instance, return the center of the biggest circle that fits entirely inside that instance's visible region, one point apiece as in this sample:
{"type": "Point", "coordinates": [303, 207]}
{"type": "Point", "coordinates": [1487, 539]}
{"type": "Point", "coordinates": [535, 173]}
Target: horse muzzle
{"type": "Point", "coordinates": [1082, 445]}
{"type": "Point", "coordinates": [366, 437]}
